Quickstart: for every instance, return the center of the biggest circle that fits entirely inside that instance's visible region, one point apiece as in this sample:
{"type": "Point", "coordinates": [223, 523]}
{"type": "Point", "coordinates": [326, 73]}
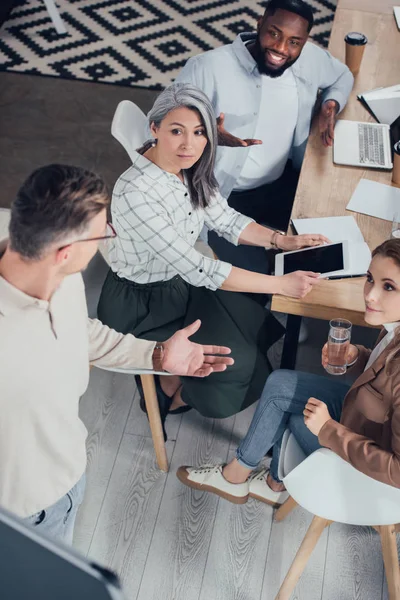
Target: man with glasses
{"type": "Point", "coordinates": [47, 342]}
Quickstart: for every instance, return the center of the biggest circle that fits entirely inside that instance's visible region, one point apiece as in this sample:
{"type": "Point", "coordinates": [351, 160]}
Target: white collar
{"type": "Point", "coordinates": [390, 327]}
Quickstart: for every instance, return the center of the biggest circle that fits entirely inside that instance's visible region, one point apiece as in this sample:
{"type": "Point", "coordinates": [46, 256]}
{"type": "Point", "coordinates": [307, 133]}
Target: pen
{"type": "Point", "coordinates": [346, 276]}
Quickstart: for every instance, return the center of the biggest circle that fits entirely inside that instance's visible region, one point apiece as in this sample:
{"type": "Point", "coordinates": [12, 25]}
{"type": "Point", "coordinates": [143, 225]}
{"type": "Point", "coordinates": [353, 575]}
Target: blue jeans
{"type": "Point", "coordinates": [281, 407]}
{"type": "Point", "coordinates": [58, 520]}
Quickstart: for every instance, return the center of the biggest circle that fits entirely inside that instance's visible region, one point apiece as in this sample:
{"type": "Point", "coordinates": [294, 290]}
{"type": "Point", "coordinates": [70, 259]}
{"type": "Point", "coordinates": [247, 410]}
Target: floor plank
{"type": "Point", "coordinates": [104, 409]}
{"type": "Point", "coordinates": [177, 557]}
{"type": "Point", "coordinates": [354, 565]}
{"type": "Point", "coordinates": [238, 551]}
{"type": "Point", "coordinates": [285, 540]}
{"type": "Point", "coordinates": [128, 515]}
{"type": "Point", "coordinates": [240, 539]}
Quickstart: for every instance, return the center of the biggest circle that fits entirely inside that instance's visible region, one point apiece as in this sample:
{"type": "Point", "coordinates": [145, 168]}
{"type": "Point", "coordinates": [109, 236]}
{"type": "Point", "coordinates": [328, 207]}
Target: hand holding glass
{"type": "Point", "coordinates": [338, 346]}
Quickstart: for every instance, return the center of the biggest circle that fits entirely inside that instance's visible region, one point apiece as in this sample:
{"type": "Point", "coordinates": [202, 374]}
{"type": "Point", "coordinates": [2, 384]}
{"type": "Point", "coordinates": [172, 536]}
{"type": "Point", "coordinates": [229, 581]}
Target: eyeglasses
{"type": "Point", "coordinates": [109, 235]}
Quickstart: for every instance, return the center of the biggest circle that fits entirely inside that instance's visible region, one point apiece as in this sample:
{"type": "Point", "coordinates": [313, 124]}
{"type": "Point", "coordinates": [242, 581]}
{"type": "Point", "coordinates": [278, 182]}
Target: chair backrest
{"type": "Point", "coordinates": [129, 126]}
{"type": "Point", "coordinates": [5, 214]}
{"type": "Point", "coordinates": [331, 488]}
{"type": "Point", "coordinates": [291, 454]}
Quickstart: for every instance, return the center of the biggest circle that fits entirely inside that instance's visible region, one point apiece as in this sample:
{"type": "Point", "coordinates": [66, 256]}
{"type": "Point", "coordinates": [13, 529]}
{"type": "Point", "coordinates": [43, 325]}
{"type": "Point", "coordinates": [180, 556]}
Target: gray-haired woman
{"type": "Point", "coordinates": [158, 281]}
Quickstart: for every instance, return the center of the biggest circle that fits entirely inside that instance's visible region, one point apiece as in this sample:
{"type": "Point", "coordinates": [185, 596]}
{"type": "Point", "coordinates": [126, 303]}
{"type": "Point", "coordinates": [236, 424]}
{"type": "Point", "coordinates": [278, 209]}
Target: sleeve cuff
{"type": "Point", "coordinates": [335, 94]}
{"type": "Point", "coordinates": [325, 432]}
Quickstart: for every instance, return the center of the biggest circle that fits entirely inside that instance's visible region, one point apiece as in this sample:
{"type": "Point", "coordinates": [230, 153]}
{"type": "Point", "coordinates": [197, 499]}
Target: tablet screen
{"type": "Point", "coordinates": [322, 259]}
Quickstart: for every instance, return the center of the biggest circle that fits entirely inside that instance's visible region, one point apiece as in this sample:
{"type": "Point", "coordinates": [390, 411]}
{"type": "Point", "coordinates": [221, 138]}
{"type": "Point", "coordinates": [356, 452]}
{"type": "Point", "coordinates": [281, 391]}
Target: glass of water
{"type": "Point", "coordinates": [338, 345]}
{"type": "Point", "coordinates": [396, 225]}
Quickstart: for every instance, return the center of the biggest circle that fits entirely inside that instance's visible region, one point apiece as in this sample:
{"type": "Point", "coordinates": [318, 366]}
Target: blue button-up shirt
{"type": "Point", "coordinates": [230, 78]}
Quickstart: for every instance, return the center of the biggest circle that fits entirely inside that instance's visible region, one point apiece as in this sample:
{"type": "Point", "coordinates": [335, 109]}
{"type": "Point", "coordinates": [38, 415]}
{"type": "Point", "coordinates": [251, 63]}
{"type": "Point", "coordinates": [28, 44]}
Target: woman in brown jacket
{"type": "Point", "coordinates": [361, 422]}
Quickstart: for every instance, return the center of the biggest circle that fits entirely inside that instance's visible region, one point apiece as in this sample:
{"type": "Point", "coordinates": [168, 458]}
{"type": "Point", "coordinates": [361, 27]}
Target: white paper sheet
{"type": "Point", "coordinates": [375, 199]}
{"type": "Point", "coordinates": [396, 12]}
{"type": "Point", "coordinates": [386, 109]}
{"type": "Point", "coordinates": [334, 228]}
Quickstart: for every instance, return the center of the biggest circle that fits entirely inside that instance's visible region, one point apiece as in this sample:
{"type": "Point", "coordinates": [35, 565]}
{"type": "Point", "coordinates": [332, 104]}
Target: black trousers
{"type": "Point", "coordinates": [269, 205]}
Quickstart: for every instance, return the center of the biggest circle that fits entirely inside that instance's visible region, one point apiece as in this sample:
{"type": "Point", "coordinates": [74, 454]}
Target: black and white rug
{"type": "Point", "coordinates": [129, 42]}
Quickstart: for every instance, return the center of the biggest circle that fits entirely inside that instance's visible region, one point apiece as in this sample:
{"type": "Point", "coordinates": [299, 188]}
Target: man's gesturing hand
{"type": "Point", "coordinates": [183, 357]}
{"type": "Point", "coordinates": [327, 114]}
{"type": "Point", "coordinates": [227, 139]}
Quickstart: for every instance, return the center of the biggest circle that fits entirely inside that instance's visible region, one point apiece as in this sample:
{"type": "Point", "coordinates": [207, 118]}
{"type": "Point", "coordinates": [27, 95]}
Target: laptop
{"type": "Point", "coordinates": [33, 566]}
{"type": "Point", "coordinates": [363, 145]}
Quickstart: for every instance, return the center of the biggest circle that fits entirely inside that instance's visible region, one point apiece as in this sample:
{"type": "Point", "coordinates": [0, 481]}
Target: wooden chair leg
{"type": "Point", "coordinates": [303, 554]}
{"type": "Point", "coordinates": [391, 560]}
{"type": "Point", "coordinates": [285, 508]}
{"type": "Point", "coordinates": [153, 412]}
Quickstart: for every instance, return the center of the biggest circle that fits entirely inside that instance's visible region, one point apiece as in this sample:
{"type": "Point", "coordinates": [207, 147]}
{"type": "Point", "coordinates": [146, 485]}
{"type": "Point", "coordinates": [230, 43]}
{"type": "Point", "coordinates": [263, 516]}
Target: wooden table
{"type": "Point", "coordinates": [325, 188]}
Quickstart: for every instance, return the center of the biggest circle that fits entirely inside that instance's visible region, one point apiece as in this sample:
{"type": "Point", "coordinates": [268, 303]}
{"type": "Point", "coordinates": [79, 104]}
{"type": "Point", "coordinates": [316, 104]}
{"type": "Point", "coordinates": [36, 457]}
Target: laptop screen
{"type": "Point", "coordinates": [394, 133]}
{"type": "Point", "coordinates": [31, 566]}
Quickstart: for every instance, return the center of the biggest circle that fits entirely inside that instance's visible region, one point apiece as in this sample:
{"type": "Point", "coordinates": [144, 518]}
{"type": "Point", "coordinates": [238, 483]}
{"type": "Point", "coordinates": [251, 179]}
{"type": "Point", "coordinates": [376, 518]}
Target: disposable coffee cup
{"type": "Point", "coordinates": [355, 46]}
{"type": "Point", "coordinates": [396, 164]}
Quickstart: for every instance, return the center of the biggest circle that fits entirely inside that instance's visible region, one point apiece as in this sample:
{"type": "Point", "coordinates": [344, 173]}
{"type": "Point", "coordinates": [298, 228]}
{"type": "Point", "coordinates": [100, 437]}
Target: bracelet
{"type": "Point", "coordinates": [273, 240]}
{"type": "Point", "coordinates": [158, 355]}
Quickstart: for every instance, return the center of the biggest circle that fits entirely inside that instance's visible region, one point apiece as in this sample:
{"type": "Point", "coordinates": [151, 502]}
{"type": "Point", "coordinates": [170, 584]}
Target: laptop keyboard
{"type": "Point", "coordinates": [371, 144]}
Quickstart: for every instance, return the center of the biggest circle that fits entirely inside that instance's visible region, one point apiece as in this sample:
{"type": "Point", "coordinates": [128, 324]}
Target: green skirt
{"type": "Point", "coordinates": [155, 311]}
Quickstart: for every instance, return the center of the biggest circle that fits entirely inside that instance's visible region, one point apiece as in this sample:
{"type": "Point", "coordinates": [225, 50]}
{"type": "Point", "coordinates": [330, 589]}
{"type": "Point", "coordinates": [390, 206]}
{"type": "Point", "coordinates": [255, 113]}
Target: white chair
{"type": "Point", "coordinates": [129, 126]}
{"type": "Point", "coordinates": [55, 16]}
{"type": "Point", "coordinates": [333, 490]}
{"type": "Point", "coordinates": [4, 221]}
{"type": "Point", "coordinates": [290, 457]}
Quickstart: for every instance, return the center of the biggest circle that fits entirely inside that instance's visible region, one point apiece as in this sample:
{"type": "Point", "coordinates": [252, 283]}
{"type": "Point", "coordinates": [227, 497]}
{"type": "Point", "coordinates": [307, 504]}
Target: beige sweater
{"type": "Point", "coordinates": [45, 350]}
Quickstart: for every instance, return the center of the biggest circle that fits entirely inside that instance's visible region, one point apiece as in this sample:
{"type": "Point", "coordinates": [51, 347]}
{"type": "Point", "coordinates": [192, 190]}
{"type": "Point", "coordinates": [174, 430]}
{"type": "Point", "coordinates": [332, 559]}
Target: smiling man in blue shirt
{"type": "Point", "coordinates": [264, 87]}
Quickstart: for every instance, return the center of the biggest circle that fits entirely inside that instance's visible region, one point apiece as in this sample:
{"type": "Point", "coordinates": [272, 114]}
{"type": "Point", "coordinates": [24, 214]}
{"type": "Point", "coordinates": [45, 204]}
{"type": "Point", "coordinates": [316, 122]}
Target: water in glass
{"type": "Point", "coordinates": [338, 344]}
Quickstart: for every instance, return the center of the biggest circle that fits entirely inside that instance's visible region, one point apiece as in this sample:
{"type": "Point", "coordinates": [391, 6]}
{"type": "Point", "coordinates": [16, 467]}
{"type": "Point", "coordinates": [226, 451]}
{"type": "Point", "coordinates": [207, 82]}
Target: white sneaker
{"type": "Point", "coordinates": [260, 490]}
{"type": "Point", "coordinates": [210, 479]}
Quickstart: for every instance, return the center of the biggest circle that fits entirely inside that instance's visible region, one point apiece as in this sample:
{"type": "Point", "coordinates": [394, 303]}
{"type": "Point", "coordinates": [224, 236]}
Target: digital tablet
{"type": "Point", "coordinates": [327, 260]}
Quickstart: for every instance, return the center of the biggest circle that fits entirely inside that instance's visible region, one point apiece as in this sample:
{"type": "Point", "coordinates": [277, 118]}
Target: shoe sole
{"type": "Point", "coordinates": [266, 501]}
{"type": "Point", "coordinates": [183, 477]}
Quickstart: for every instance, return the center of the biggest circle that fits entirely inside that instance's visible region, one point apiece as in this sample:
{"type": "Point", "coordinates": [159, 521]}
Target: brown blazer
{"type": "Point", "coordinates": [368, 435]}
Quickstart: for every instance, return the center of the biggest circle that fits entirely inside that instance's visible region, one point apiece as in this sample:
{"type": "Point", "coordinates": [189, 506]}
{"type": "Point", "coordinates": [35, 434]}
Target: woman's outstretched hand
{"type": "Point", "coordinates": [297, 284]}
{"type": "Point", "coordinates": [295, 242]}
{"type": "Point", "coordinates": [351, 357]}
{"type": "Point", "coordinates": [316, 414]}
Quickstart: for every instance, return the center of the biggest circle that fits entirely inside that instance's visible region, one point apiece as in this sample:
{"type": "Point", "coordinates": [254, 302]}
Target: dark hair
{"type": "Point", "coordinates": [54, 203]}
{"type": "Point", "coordinates": [295, 6]}
{"type": "Point", "coordinates": [202, 183]}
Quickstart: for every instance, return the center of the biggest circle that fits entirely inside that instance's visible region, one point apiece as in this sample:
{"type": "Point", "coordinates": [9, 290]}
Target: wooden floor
{"type": "Point", "coordinates": [172, 543]}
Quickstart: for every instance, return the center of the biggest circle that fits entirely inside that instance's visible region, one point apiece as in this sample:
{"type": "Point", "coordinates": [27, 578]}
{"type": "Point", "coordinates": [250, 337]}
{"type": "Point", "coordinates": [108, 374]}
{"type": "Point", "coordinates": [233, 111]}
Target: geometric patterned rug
{"type": "Point", "coordinates": [140, 43]}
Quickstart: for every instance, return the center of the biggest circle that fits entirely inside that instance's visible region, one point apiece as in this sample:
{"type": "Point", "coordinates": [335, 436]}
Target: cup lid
{"type": "Point", "coordinates": [396, 147]}
{"type": "Point", "coordinates": [354, 38]}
